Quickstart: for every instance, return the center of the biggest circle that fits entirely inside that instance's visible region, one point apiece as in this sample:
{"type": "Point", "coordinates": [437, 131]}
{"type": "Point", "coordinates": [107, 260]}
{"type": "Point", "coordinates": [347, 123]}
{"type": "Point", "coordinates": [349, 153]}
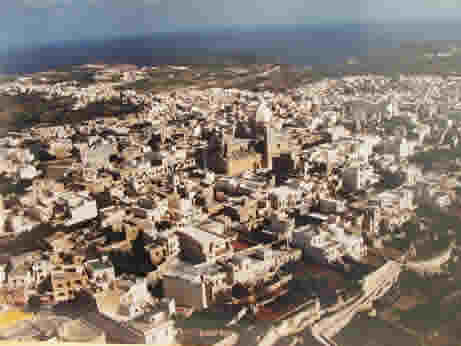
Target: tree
{"type": "Point", "coordinates": [23, 118]}
{"type": "Point", "coordinates": [34, 304]}
{"type": "Point", "coordinates": [116, 78]}
{"type": "Point", "coordinates": [44, 286]}
{"type": "Point", "coordinates": [140, 254]}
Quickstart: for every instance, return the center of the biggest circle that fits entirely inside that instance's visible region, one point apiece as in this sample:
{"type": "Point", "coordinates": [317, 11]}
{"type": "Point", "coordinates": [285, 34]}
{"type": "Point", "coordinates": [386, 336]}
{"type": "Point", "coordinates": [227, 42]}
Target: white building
{"type": "Point", "coordinates": [413, 175]}
{"type": "Point", "coordinates": [406, 198]}
{"type": "Point", "coordinates": [442, 200]}
{"type": "Point", "coordinates": [77, 208]}
{"type": "Point", "coordinates": [329, 245]}
{"type": "Point", "coordinates": [28, 172]}
{"type": "Point", "coordinates": [3, 268]}
{"type": "Point", "coordinates": [406, 148]}
{"type": "Point", "coordinates": [284, 197]}
{"type": "Point", "coordinates": [353, 244]}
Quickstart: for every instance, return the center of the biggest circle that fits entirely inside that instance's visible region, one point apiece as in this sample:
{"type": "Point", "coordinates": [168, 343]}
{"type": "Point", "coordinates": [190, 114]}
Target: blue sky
{"type": "Point", "coordinates": [31, 22]}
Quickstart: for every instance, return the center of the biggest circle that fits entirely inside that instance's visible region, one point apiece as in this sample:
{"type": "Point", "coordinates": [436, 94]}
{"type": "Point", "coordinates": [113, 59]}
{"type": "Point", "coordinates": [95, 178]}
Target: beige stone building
{"type": "Point", "coordinates": [203, 285]}
{"type": "Point", "coordinates": [195, 286]}
{"type": "Point", "coordinates": [233, 156]}
{"type": "Point", "coordinates": [67, 281]}
{"type": "Point", "coordinates": [201, 245]}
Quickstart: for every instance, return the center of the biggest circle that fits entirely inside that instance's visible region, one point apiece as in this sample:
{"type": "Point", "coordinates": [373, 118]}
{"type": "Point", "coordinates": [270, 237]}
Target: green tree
{"type": "Point", "coordinates": [34, 304]}
{"type": "Point", "coordinates": [116, 78]}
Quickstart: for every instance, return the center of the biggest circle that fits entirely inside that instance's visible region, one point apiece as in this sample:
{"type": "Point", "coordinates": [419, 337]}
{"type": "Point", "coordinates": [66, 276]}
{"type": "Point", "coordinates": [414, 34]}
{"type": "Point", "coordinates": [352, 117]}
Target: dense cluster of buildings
{"type": "Point", "coordinates": [217, 190]}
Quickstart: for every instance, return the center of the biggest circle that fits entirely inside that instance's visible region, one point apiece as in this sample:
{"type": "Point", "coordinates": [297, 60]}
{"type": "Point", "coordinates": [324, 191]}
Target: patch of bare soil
{"type": "Point", "coordinates": [405, 303]}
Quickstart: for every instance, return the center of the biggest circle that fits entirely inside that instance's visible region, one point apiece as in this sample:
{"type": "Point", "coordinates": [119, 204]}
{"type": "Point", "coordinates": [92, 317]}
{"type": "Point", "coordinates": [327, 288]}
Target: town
{"type": "Point", "coordinates": [256, 205]}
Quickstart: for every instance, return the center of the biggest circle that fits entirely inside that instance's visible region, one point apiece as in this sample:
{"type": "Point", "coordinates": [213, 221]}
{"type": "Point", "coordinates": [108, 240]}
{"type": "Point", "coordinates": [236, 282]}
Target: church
{"type": "Point", "coordinates": [262, 147]}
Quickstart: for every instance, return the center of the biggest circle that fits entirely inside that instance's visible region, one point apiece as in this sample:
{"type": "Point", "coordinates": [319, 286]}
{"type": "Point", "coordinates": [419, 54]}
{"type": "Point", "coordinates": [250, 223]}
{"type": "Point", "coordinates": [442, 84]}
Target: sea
{"type": "Point", "coordinates": [287, 44]}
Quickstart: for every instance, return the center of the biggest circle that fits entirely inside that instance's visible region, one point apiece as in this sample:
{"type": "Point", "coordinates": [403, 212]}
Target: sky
{"type": "Point", "coordinates": [33, 22]}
